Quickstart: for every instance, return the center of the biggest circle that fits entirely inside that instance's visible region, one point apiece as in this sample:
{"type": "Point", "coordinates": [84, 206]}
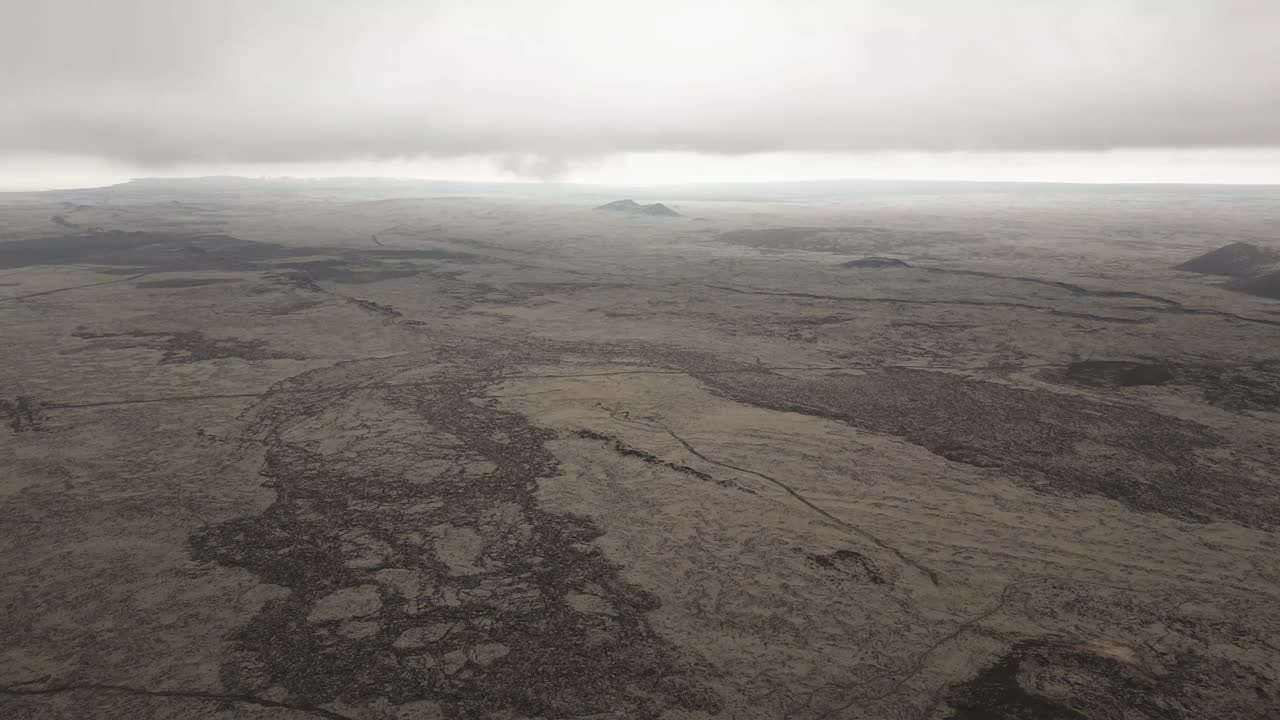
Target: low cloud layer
{"type": "Point", "coordinates": [543, 84]}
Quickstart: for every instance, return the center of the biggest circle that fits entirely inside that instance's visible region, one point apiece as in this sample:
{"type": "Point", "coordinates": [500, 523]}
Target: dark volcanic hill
{"type": "Point", "coordinates": [1238, 259]}
{"type": "Point", "coordinates": [658, 209]}
{"type": "Point", "coordinates": [632, 206]}
{"type": "Point", "coordinates": [621, 206]}
{"type": "Point", "coordinates": [1266, 284]}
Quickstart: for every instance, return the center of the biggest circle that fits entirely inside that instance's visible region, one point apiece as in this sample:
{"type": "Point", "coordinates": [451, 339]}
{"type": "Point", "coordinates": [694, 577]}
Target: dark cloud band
{"type": "Point", "coordinates": [287, 81]}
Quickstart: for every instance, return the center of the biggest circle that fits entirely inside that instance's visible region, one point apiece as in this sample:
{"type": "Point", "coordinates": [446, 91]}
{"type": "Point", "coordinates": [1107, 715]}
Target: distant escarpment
{"type": "Point", "coordinates": [631, 206]}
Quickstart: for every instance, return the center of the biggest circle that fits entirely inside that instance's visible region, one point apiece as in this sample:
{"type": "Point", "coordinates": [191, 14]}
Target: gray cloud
{"type": "Point", "coordinates": [541, 84]}
{"type": "Point", "coordinates": [542, 167]}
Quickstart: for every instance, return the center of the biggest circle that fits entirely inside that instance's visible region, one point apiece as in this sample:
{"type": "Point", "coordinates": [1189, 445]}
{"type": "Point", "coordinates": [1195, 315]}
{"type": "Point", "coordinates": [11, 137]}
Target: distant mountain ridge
{"type": "Point", "coordinates": [631, 206]}
{"type": "Point", "coordinates": [745, 191]}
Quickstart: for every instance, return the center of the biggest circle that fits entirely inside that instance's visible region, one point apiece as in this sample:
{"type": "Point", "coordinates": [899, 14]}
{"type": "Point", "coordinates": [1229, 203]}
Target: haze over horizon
{"type": "Point", "coordinates": [602, 92]}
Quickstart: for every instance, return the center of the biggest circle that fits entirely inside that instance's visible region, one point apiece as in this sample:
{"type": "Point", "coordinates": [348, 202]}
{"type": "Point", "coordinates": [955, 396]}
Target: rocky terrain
{"type": "Point", "coordinates": [346, 452]}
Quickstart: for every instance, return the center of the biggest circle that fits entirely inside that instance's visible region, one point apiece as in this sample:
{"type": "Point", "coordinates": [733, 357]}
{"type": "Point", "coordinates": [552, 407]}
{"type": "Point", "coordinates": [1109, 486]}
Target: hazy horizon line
{"type": "Point", "coordinates": [552, 184]}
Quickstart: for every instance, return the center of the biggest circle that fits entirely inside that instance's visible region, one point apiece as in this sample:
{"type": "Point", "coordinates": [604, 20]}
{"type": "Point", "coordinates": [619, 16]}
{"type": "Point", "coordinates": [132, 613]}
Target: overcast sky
{"type": "Point", "coordinates": [1087, 90]}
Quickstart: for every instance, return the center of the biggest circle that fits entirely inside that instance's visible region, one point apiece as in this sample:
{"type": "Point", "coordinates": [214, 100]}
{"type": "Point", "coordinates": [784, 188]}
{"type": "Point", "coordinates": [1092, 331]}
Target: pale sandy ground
{"type": "Point", "coordinates": [518, 459]}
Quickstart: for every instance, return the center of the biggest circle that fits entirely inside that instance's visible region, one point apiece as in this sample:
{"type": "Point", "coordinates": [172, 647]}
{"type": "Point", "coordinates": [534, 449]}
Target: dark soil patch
{"type": "Point", "coordinates": [376, 308]}
{"type": "Point", "coordinates": [968, 456]}
{"type": "Point", "coordinates": [1049, 442]}
{"type": "Point", "coordinates": [839, 239]}
{"type": "Point", "coordinates": [185, 282]}
{"type": "Point", "coordinates": [1118, 373]}
{"type": "Point", "coordinates": [1254, 386]}
{"type": "Point", "coordinates": [158, 251]}
{"type": "Point", "coordinates": [1050, 680]}
{"type": "Point", "coordinates": [23, 413]}
{"type": "Point", "coordinates": [185, 252]}
{"type": "Point", "coordinates": [876, 262]}
{"type": "Point", "coordinates": [1240, 387]}
{"type": "Point", "coordinates": [191, 346]}
{"type": "Point", "coordinates": [428, 254]}
{"type": "Point", "coordinates": [299, 279]}
{"type": "Point", "coordinates": [341, 272]}
{"type": "Point", "coordinates": [851, 565]}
